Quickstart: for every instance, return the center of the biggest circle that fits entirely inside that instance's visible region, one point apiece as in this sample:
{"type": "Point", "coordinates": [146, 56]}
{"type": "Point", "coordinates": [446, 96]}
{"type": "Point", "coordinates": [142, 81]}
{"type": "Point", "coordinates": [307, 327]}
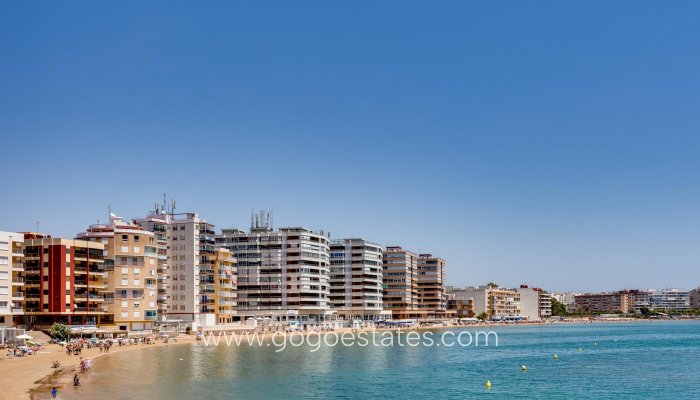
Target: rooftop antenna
{"type": "Point", "coordinates": [252, 213]}
{"type": "Point", "coordinates": [162, 210]}
{"type": "Point", "coordinates": [37, 226]}
{"type": "Point", "coordinates": [109, 209]}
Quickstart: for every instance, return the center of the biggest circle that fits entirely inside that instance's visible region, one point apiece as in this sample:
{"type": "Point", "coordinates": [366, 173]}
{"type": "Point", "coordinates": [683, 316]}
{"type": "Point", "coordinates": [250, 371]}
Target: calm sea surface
{"type": "Point", "coordinates": [659, 360]}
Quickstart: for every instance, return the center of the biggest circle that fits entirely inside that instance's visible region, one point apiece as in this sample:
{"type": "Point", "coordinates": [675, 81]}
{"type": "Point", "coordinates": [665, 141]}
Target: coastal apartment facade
{"type": "Point", "coordinates": [158, 222]}
{"type": "Point", "coordinates": [130, 264]}
{"type": "Point", "coordinates": [694, 299]}
{"type": "Point", "coordinates": [670, 300]}
{"type": "Point", "coordinates": [356, 279]}
{"type": "Point", "coordinates": [497, 303]}
{"type": "Point", "coordinates": [11, 277]}
{"type": "Point", "coordinates": [218, 287]}
{"type": "Point", "coordinates": [283, 274]}
{"type": "Point", "coordinates": [400, 275]}
{"type": "Point", "coordinates": [64, 281]}
{"type": "Point", "coordinates": [191, 249]}
{"type": "Point", "coordinates": [535, 303]}
{"type": "Point", "coordinates": [603, 302]}
{"type": "Point", "coordinates": [430, 286]}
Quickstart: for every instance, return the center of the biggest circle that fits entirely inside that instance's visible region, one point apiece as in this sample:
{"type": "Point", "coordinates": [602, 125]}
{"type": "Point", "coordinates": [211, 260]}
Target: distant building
{"type": "Point", "coordinates": [458, 303]}
{"type": "Point", "coordinates": [670, 300]}
{"type": "Point", "coordinates": [603, 302]}
{"type": "Point", "coordinates": [568, 299]}
{"type": "Point", "coordinates": [638, 299]}
{"type": "Point", "coordinates": [356, 279]}
{"type": "Point", "coordinates": [694, 298]}
{"type": "Point", "coordinates": [535, 303]}
{"type": "Point", "coordinates": [401, 283]}
{"type": "Point", "coordinates": [431, 286]}
{"type": "Point", "coordinates": [497, 303]}
{"type": "Point", "coordinates": [11, 279]}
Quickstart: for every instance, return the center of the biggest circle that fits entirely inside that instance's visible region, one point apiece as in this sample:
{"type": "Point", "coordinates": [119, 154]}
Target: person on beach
{"type": "Point", "coordinates": [54, 392]}
{"type": "Point", "coordinates": [76, 380]}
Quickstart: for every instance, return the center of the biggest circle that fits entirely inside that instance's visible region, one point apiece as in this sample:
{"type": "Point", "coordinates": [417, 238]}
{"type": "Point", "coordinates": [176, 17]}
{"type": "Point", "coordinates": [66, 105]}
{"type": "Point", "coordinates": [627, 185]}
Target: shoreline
{"type": "Point", "coordinates": [36, 382]}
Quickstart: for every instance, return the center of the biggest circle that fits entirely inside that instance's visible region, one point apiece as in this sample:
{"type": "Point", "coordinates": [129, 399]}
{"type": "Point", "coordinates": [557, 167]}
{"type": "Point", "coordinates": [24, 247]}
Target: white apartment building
{"type": "Point", "coordinates": [282, 274]}
{"type": "Point", "coordinates": [535, 303]}
{"type": "Point", "coordinates": [670, 300]}
{"type": "Point", "coordinates": [190, 253]}
{"type": "Point", "coordinates": [356, 279]}
{"type": "Point", "coordinates": [11, 277]}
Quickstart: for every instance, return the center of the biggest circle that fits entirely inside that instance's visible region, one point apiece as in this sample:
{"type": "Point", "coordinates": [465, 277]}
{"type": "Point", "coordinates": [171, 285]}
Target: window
{"type": "Point", "coordinates": [137, 314]}
{"type": "Point", "coordinates": [125, 249]}
{"type": "Point", "coordinates": [137, 249]}
{"type": "Point", "coordinates": [125, 238]}
{"type": "Point", "coordinates": [125, 304]}
{"type": "Point", "coordinates": [125, 270]}
{"type": "Point", "coordinates": [125, 314]}
{"type": "Point", "coordinates": [4, 290]}
{"type": "Point", "coordinates": [137, 238]}
{"type": "Point", "coordinates": [137, 282]}
{"type": "Point", "coordinates": [3, 260]}
{"type": "Point", "coordinates": [125, 282]}
{"type": "Point", "coordinates": [4, 275]}
{"type": "Point", "coordinates": [4, 246]}
{"type": "Point", "coordinates": [137, 271]}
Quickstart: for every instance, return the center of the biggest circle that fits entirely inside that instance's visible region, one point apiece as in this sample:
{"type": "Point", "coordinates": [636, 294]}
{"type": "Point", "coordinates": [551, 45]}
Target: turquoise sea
{"type": "Point", "coordinates": [658, 360]}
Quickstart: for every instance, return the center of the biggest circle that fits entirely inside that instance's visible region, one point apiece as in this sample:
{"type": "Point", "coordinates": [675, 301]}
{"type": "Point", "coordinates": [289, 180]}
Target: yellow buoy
{"type": "Point", "coordinates": [488, 384]}
{"type": "Point", "coordinates": [556, 357]}
{"type": "Point", "coordinates": [523, 368]}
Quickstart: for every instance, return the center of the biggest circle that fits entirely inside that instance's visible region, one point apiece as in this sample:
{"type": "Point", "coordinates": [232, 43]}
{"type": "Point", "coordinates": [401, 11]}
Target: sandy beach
{"type": "Point", "coordinates": [20, 376]}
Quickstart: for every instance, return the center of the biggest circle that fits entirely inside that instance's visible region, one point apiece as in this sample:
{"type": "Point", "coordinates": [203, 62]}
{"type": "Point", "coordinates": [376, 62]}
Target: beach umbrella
{"type": "Point", "coordinates": [24, 337]}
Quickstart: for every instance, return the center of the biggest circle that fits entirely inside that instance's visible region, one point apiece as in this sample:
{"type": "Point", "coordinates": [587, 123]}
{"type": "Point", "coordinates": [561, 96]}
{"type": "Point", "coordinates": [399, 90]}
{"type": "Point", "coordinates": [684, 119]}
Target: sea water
{"type": "Point", "coordinates": [659, 360]}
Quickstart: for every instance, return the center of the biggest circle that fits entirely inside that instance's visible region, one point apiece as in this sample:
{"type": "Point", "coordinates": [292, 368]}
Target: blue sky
{"type": "Point", "coordinates": [542, 143]}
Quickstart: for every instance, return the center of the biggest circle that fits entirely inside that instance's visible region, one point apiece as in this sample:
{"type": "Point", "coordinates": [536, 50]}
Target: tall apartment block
{"type": "Point", "coordinates": [535, 303]}
{"type": "Point", "coordinates": [432, 300]}
{"type": "Point", "coordinates": [157, 222]}
{"type": "Point", "coordinates": [356, 282]}
{"type": "Point", "coordinates": [400, 277]}
{"type": "Point", "coordinates": [191, 252]}
{"type": "Point", "coordinates": [130, 263]}
{"type": "Point", "coordinates": [11, 276]}
{"type": "Point", "coordinates": [219, 296]}
{"type": "Point", "coordinates": [64, 281]}
{"type": "Point", "coordinates": [282, 274]}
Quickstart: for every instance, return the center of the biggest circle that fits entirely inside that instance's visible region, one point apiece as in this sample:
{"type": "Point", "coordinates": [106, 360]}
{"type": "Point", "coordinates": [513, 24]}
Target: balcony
{"type": "Point", "coordinates": [17, 267]}
{"type": "Point", "coordinates": [17, 281]}
{"type": "Point", "coordinates": [18, 296]}
{"type": "Point", "coordinates": [17, 310]}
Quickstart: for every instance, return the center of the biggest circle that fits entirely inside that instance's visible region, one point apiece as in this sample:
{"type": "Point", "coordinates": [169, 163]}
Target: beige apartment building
{"type": "Point", "coordinates": [130, 261]}
{"type": "Point", "coordinates": [400, 275]}
{"type": "Point", "coordinates": [431, 286]}
{"type": "Point", "coordinates": [64, 281]}
{"type": "Point", "coordinates": [11, 277]}
{"type": "Point", "coordinates": [158, 222]}
{"type": "Point", "coordinates": [224, 281]}
{"type": "Point", "coordinates": [497, 303]}
{"type": "Point", "coordinates": [356, 279]}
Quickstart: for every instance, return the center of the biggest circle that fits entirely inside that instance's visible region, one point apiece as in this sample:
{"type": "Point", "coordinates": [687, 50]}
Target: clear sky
{"type": "Point", "coordinates": [543, 143]}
